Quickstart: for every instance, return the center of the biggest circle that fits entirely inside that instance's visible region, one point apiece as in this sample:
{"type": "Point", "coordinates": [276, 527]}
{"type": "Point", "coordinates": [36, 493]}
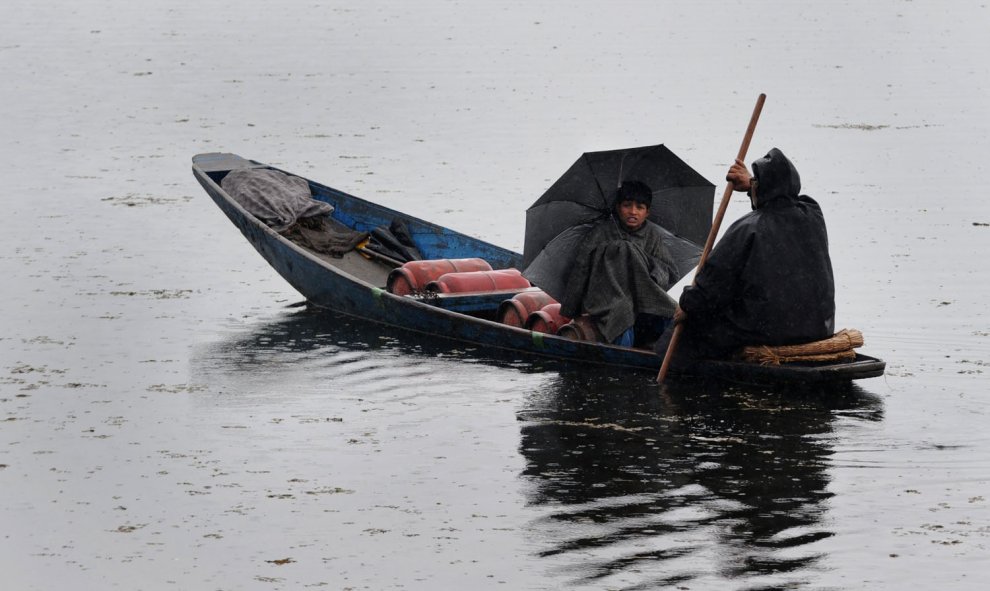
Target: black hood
{"type": "Point", "coordinates": [776, 177]}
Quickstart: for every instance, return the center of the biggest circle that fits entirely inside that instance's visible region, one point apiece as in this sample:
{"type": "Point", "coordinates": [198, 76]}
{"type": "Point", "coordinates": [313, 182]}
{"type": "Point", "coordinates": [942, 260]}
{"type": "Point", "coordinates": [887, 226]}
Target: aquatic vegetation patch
{"type": "Point", "coordinates": [176, 388]}
{"type": "Point", "coordinates": [859, 126]}
{"type": "Point", "coordinates": [136, 200]}
{"type": "Point", "coordinates": [158, 294]}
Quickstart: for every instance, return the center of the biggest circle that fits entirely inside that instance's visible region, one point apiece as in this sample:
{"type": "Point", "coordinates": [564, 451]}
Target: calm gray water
{"type": "Point", "coordinates": [170, 418]}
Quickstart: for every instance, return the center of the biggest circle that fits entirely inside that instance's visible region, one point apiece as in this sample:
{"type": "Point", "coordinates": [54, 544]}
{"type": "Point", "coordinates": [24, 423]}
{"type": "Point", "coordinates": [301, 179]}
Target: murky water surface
{"type": "Point", "coordinates": [170, 418]}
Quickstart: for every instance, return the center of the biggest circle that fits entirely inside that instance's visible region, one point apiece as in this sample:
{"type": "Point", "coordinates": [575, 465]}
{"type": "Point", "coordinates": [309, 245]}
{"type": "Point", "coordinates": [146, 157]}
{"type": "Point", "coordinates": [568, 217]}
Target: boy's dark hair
{"type": "Point", "coordinates": [634, 191]}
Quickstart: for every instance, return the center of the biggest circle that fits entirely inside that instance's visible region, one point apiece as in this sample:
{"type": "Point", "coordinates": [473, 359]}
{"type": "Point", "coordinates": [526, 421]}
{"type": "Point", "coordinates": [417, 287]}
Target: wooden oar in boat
{"type": "Point", "coordinates": [676, 336]}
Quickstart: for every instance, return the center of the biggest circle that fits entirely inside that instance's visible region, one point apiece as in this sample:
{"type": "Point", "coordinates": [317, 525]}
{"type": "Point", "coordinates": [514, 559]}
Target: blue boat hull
{"type": "Point", "coordinates": [327, 284]}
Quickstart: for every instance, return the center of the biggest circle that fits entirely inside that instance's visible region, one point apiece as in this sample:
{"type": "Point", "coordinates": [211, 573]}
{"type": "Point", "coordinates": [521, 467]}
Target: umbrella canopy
{"type": "Point", "coordinates": [558, 220]}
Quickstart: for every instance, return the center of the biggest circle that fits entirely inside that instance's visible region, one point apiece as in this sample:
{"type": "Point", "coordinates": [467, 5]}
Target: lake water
{"type": "Point", "coordinates": [170, 418]}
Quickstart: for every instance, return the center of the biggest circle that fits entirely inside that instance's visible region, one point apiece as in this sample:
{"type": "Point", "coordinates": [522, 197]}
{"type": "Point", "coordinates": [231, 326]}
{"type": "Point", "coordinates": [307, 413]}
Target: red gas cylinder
{"type": "Point", "coordinates": [413, 276]}
{"type": "Point", "coordinates": [478, 281]}
{"type": "Point", "coordinates": [516, 310]}
{"type": "Point", "coordinates": [547, 319]}
{"type": "Point", "coordinates": [580, 329]}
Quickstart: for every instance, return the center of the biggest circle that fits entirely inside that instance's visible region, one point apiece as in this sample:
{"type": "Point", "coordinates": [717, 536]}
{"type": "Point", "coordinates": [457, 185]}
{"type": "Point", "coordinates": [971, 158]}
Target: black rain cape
{"type": "Point", "coordinates": [769, 280]}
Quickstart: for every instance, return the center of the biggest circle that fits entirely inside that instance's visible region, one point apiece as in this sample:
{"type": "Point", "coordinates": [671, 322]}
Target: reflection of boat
{"type": "Point", "coordinates": [354, 284]}
{"type": "Point", "coordinates": [702, 487]}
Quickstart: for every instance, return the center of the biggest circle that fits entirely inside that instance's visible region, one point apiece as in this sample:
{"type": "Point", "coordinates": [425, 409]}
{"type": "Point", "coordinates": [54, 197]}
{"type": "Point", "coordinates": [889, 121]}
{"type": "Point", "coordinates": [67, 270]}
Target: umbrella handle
{"type": "Point", "coordinates": [678, 329]}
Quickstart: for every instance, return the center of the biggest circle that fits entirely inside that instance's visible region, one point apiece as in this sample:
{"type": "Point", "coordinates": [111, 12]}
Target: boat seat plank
{"type": "Point", "coordinates": [373, 271]}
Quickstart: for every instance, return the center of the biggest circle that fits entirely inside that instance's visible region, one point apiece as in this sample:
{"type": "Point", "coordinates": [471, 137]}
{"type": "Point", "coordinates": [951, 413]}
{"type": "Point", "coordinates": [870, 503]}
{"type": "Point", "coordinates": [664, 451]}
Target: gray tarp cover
{"type": "Point", "coordinates": [273, 197]}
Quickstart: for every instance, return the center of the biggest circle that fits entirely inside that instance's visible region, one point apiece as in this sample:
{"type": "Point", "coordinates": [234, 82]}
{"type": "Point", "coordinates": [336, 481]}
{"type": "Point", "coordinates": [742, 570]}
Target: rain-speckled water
{"type": "Point", "coordinates": [170, 418]}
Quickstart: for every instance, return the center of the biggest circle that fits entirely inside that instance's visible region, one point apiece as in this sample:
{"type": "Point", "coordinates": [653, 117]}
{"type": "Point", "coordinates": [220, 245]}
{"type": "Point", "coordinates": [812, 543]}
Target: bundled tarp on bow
{"type": "Point", "coordinates": [558, 220]}
{"type": "Point", "coordinates": [276, 198]}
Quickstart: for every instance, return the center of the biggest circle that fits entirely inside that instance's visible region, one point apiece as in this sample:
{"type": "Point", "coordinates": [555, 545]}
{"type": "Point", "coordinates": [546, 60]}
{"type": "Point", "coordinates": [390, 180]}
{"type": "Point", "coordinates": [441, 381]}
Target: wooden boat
{"type": "Point", "coordinates": [355, 284]}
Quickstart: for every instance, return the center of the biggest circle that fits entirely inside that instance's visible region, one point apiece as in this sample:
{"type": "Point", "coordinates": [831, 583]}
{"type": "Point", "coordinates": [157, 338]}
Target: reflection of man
{"type": "Point", "coordinates": [621, 272]}
{"type": "Point", "coordinates": [638, 467]}
{"type": "Point", "coordinates": [768, 281]}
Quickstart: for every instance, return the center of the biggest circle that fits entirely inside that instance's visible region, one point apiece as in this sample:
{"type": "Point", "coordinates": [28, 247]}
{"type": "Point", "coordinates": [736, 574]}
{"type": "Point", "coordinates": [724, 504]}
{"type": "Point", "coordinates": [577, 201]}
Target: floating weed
{"type": "Point", "coordinates": [42, 340]}
{"type": "Point", "coordinates": [158, 294]}
{"type": "Point", "coordinates": [859, 126]}
{"type": "Point", "coordinates": [135, 200]}
{"type": "Point", "coordinates": [126, 529]}
{"type": "Point", "coordinates": [176, 388]}
{"type": "Point", "coordinates": [330, 490]}
{"type": "Point", "coordinates": [280, 561]}
{"type": "Point", "coordinates": [320, 420]}
{"type": "Point", "coordinates": [22, 368]}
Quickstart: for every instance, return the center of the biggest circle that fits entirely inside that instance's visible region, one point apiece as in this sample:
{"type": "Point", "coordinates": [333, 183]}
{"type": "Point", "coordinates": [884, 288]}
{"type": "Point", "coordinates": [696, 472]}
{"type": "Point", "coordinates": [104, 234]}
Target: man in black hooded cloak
{"type": "Point", "coordinates": [769, 280]}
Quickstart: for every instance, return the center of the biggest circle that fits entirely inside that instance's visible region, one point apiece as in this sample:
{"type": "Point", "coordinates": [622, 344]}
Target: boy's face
{"type": "Point", "coordinates": [633, 214]}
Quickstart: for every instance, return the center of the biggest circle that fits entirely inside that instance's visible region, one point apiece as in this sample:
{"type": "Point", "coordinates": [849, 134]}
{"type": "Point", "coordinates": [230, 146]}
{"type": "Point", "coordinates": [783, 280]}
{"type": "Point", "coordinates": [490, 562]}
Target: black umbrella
{"type": "Point", "coordinates": [558, 220]}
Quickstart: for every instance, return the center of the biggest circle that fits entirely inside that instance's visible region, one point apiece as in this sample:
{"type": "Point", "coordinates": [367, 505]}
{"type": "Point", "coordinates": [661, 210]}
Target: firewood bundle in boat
{"type": "Point", "coordinates": [838, 347]}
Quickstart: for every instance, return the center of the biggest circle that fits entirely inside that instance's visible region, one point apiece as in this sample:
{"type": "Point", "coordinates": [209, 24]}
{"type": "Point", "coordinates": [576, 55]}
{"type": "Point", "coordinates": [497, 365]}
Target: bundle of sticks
{"type": "Point", "coordinates": [838, 347]}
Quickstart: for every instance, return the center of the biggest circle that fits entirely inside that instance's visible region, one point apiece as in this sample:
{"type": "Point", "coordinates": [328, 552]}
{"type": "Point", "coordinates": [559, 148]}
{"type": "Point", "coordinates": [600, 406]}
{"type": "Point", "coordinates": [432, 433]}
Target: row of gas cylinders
{"type": "Point", "coordinates": [531, 309]}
